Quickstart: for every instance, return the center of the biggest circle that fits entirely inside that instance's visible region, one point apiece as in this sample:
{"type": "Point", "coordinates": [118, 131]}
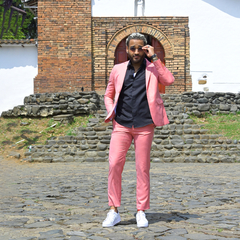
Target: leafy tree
{"type": "Point", "coordinates": [12, 24]}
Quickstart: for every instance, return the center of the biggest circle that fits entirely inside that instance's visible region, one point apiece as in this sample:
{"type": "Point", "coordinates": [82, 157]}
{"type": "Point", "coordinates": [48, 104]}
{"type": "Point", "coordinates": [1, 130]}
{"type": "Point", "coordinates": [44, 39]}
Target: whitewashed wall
{"type": "Point", "coordinates": [18, 67]}
{"type": "Point", "coordinates": [214, 35]}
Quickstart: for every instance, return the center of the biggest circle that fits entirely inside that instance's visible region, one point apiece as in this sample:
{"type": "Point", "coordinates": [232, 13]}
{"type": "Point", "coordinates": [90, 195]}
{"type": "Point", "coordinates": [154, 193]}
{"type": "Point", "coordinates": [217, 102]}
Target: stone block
{"type": "Point", "coordinates": [100, 128]}
{"type": "Point", "coordinates": [154, 147]}
{"type": "Point", "coordinates": [195, 153]}
{"type": "Point", "coordinates": [37, 159]}
{"type": "Point", "coordinates": [84, 147]}
{"type": "Point", "coordinates": [15, 154]}
{"type": "Point", "coordinates": [210, 94]}
{"type": "Point", "coordinates": [69, 158]}
{"type": "Point", "coordinates": [169, 146]}
{"type": "Point", "coordinates": [203, 107]}
{"type": "Point", "coordinates": [202, 100]}
{"type": "Point", "coordinates": [177, 142]}
{"type": "Point", "coordinates": [104, 141]}
{"type": "Point", "coordinates": [179, 159]}
{"type": "Point", "coordinates": [234, 108]}
{"type": "Point", "coordinates": [89, 159]}
{"type": "Point", "coordinates": [190, 159]}
{"type": "Point", "coordinates": [35, 110]}
{"type": "Point", "coordinates": [102, 154]}
{"type": "Point", "coordinates": [158, 160]}
{"type": "Point", "coordinates": [47, 159]}
{"type": "Point", "coordinates": [179, 132]}
{"type": "Point", "coordinates": [92, 141]}
{"type": "Point", "coordinates": [78, 159]}
{"type": "Point", "coordinates": [196, 131]}
{"type": "Point", "coordinates": [100, 159]}
{"type": "Point", "coordinates": [187, 131]}
{"type": "Point", "coordinates": [165, 142]}
{"type": "Point", "coordinates": [224, 107]}
{"type": "Point", "coordinates": [80, 153]}
{"type": "Point", "coordinates": [91, 154]}
{"type": "Point", "coordinates": [157, 141]}
{"type": "Point", "coordinates": [167, 154]}
{"type": "Point", "coordinates": [168, 160]}
{"type": "Point", "coordinates": [157, 154]}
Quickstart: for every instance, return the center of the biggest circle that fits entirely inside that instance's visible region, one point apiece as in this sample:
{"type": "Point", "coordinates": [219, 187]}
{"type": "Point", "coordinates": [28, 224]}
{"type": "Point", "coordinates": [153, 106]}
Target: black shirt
{"type": "Point", "coordinates": [132, 107]}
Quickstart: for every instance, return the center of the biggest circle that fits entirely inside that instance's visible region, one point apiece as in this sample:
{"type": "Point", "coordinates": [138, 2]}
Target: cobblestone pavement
{"type": "Point", "coordinates": [69, 201]}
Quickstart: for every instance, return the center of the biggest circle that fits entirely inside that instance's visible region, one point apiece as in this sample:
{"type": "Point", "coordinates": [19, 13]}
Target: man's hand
{"type": "Point", "coordinates": [149, 50]}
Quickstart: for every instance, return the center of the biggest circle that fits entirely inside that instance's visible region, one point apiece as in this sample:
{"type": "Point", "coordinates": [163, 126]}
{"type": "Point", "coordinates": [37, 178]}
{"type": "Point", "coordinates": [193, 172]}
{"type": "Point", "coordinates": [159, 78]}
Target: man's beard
{"type": "Point", "coordinates": [136, 58]}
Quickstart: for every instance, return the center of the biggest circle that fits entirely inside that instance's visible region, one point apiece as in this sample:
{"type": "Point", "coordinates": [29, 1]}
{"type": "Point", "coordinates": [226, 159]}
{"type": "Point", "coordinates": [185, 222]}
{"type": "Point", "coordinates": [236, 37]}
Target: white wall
{"type": "Point", "coordinates": [214, 35]}
{"type": "Point", "coordinates": [112, 8]}
{"type": "Point", "coordinates": [18, 67]}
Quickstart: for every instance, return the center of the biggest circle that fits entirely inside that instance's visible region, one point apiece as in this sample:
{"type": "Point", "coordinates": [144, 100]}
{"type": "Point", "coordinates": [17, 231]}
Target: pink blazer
{"type": "Point", "coordinates": [155, 73]}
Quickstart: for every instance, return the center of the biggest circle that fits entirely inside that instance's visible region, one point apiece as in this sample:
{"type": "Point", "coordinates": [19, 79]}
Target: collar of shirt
{"type": "Point", "coordinates": [143, 65]}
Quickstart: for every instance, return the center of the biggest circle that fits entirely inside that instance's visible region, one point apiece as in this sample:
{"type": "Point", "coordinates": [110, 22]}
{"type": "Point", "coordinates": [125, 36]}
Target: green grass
{"type": "Point", "coordinates": [70, 133]}
{"type": "Point", "coordinates": [227, 125]}
{"type": "Point", "coordinates": [37, 131]}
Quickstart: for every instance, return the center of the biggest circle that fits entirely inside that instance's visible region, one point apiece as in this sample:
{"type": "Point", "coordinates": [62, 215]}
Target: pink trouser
{"type": "Point", "coordinates": [121, 140]}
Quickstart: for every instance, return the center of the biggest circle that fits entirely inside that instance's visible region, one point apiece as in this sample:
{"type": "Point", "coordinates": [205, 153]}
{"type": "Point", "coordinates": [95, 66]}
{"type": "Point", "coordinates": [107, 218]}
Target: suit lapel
{"type": "Point", "coordinates": [122, 74]}
{"type": "Point", "coordinates": [148, 72]}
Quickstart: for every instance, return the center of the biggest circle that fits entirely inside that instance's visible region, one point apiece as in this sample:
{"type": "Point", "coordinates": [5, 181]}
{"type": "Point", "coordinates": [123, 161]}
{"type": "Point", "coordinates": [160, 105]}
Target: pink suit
{"type": "Point", "coordinates": [122, 136]}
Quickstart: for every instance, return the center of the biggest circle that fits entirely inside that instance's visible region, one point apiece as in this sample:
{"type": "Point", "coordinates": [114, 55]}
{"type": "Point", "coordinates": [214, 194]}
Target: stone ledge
{"type": "Point", "coordinates": [52, 104]}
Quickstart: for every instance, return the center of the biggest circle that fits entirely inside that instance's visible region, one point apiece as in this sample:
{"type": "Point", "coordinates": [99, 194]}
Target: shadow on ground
{"type": "Point", "coordinates": [163, 217]}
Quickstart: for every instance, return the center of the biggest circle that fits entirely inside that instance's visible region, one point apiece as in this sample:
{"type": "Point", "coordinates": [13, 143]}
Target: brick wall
{"type": "Point", "coordinates": [76, 50]}
{"type": "Point", "coordinates": [64, 46]}
{"type": "Point", "coordinates": [172, 32]}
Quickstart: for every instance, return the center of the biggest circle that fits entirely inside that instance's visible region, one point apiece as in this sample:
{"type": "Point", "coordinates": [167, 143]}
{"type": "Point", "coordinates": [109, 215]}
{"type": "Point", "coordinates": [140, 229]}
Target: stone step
{"type": "Point", "coordinates": [180, 141]}
{"type": "Point", "coordinates": [161, 156]}
{"type": "Point", "coordinates": [199, 159]}
{"type": "Point", "coordinates": [101, 134]}
{"type": "Point", "coordinates": [196, 103]}
{"type": "Point", "coordinates": [104, 137]}
{"type": "Point", "coordinates": [159, 148]}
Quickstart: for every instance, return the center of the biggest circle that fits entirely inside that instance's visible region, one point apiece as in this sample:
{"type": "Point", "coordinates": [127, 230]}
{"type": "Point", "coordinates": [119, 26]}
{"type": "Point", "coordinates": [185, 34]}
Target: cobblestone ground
{"type": "Point", "coordinates": [69, 201]}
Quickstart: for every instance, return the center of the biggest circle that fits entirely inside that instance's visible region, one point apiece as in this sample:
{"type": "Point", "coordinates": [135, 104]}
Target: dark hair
{"type": "Point", "coordinates": [136, 36]}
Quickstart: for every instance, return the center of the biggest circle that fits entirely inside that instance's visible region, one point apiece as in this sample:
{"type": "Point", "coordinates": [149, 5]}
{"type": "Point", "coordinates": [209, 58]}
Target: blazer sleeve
{"type": "Point", "coordinates": [110, 92]}
{"type": "Point", "coordinates": [165, 77]}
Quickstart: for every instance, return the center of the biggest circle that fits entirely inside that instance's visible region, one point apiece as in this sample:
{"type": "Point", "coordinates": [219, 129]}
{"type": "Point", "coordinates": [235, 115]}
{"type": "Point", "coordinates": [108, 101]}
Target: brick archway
{"type": "Point", "coordinates": [142, 28]}
{"type": "Point", "coordinates": [171, 32]}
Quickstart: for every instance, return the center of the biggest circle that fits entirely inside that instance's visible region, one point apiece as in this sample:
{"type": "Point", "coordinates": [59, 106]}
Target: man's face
{"type": "Point", "coordinates": [135, 52]}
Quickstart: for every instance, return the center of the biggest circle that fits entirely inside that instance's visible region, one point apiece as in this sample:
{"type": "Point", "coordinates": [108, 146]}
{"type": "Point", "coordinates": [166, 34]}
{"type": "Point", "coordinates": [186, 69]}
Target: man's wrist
{"type": "Point", "coordinates": [154, 57]}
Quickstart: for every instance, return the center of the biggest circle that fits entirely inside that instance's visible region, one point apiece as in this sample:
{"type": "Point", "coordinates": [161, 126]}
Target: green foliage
{"type": "Point", "coordinates": [14, 135]}
{"type": "Point", "coordinates": [51, 122]}
{"type": "Point", "coordinates": [226, 124]}
{"type": "Point", "coordinates": [70, 132]}
{"type": "Point", "coordinates": [28, 30]}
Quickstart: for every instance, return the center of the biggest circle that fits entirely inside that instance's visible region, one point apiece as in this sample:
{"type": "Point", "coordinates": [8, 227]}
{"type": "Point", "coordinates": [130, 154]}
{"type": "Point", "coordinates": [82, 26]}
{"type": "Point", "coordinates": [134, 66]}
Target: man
{"type": "Point", "coordinates": [134, 105]}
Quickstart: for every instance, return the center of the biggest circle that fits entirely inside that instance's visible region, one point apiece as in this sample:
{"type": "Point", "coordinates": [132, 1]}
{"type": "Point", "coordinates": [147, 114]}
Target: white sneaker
{"type": "Point", "coordinates": [112, 219]}
{"type": "Point", "coordinates": [141, 219]}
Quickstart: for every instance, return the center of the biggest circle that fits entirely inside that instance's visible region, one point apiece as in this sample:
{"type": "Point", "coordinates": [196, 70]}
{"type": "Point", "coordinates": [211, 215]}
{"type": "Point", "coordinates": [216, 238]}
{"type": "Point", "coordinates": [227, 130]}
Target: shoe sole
{"type": "Point", "coordinates": [118, 221]}
{"type": "Point", "coordinates": [142, 226]}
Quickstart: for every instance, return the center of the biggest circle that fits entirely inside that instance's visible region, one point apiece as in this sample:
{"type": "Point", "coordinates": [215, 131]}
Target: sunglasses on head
{"type": "Point", "coordinates": [133, 49]}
